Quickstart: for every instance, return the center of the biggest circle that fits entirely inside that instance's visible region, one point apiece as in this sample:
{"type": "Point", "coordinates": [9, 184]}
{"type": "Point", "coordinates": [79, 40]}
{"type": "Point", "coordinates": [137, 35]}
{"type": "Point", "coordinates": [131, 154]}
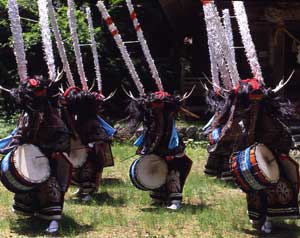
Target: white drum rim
{"type": "Point", "coordinates": [274, 164]}
{"type": "Point", "coordinates": [25, 177]}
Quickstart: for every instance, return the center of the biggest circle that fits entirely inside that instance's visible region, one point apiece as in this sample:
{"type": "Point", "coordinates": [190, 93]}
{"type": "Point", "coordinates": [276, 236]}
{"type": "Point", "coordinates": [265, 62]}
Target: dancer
{"type": "Point", "coordinates": [92, 136]}
{"type": "Point", "coordinates": [159, 144]}
{"type": "Point", "coordinates": [254, 116]}
{"type": "Point", "coordinates": [39, 172]}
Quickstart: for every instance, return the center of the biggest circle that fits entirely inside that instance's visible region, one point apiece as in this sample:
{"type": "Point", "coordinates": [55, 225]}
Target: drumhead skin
{"type": "Point", "coordinates": [149, 172]}
{"type": "Point", "coordinates": [267, 163]}
{"type": "Point", "coordinates": [78, 154]}
{"type": "Point", "coordinates": [32, 165]}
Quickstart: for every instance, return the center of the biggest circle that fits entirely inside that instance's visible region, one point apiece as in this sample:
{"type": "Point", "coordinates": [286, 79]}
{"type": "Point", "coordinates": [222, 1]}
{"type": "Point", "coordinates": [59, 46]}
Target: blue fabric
{"type": "Point", "coordinates": [5, 162]}
{"type": "Point", "coordinates": [208, 123]}
{"type": "Point", "coordinates": [216, 133]}
{"type": "Point", "coordinates": [248, 162]}
{"type": "Point", "coordinates": [5, 141]}
{"type": "Point", "coordinates": [110, 131]}
{"type": "Point", "coordinates": [139, 140]}
{"type": "Point", "coordinates": [174, 140]}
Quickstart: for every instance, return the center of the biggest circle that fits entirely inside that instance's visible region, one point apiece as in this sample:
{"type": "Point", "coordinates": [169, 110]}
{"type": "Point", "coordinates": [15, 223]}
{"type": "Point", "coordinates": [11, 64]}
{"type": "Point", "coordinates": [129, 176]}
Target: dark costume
{"type": "Point", "coordinates": [257, 115]}
{"type": "Point", "coordinates": [158, 112]}
{"type": "Point", "coordinates": [40, 124]}
{"type": "Point", "coordinates": [81, 112]}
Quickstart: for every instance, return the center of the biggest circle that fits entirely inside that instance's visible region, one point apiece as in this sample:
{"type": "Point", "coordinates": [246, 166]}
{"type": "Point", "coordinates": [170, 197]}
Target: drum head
{"type": "Point", "coordinates": [78, 154]}
{"type": "Point", "coordinates": [267, 163]}
{"type": "Point", "coordinates": [31, 163]}
{"type": "Point", "coordinates": [151, 171]}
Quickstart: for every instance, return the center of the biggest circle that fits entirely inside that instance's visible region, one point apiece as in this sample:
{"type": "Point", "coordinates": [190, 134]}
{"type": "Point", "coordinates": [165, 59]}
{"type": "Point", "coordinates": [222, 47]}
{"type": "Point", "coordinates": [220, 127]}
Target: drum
{"type": "Point", "coordinates": [254, 168]}
{"type": "Point", "coordinates": [148, 172]}
{"type": "Point", "coordinates": [78, 154]}
{"type": "Point", "coordinates": [24, 168]}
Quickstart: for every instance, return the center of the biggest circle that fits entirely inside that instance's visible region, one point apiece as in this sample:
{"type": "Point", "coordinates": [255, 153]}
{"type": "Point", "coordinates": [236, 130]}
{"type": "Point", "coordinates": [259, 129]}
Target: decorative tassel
{"type": "Point", "coordinates": [212, 54]}
{"type": "Point", "coordinates": [94, 49]}
{"type": "Point", "coordinates": [73, 30]}
{"type": "Point", "coordinates": [16, 29]}
{"type": "Point", "coordinates": [233, 79]}
{"type": "Point", "coordinates": [144, 45]}
{"type": "Point", "coordinates": [118, 39]}
{"type": "Point", "coordinates": [241, 16]}
{"type": "Point", "coordinates": [229, 36]}
{"type": "Point", "coordinates": [46, 37]}
{"type": "Point", "coordinates": [60, 44]}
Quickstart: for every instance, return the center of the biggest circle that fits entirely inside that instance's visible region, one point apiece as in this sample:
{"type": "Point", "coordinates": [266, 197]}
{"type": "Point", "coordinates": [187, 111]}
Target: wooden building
{"type": "Point", "coordinates": [274, 26]}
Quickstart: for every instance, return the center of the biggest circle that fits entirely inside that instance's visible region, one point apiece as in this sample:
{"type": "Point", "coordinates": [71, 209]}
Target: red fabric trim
{"type": "Point", "coordinates": [66, 93]}
{"type": "Point", "coordinates": [109, 21]}
{"type": "Point", "coordinates": [115, 32]}
{"type": "Point", "coordinates": [133, 15]}
{"type": "Point", "coordinates": [33, 82]}
{"type": "Point", "coordinates": [205, 1]}
{"type": "Point", "coordinates": [138, 27]}
{"type": "Point", "coordinates": [253, 82]}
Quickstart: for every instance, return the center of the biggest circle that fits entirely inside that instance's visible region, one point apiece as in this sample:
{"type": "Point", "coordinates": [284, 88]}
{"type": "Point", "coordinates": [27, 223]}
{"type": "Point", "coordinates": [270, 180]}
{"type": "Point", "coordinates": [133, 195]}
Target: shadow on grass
{"type": "Point", "coordinates": [112, 182]}
{"type": "Point", "coordinates": [34, 227]}
{"type": "Point", "coordinates": [100, 199]}
{"type": "Point", "coordinates": [185, 208]}
{"type": "Point", "coordinates": [280, 230]}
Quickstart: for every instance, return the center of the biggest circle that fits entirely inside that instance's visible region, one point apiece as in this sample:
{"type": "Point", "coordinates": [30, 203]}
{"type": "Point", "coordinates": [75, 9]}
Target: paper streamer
{"type": "Point", "coordinates": [46, 38]}
{"type": "Point", "coordinates": [118, 39]}
{"type": "Point", "coordinates": [145, 48]}
{"type": "Point", "coordinates": [78, 56]}
{"type": "Point", "coordinates": [212, 54]}
{"type": "Point", "coordinates": [229, 37]}
{"type": "Point", "coordinates": [60, 44]}
{"type": "Point", "coordinates": [242, 20]}
{"type": "Point", "coordinates": [94, 48]}
{"type": "Point", "coordinates": [18, 42]}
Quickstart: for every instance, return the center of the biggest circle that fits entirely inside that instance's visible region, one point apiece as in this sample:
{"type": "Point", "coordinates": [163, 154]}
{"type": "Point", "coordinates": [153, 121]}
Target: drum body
{"type": "Point", "coordinates": [24, 168]}
{"type": "Point", "coordinates": [148, 172]}
{"type": "Point", "coordinates": [254, 168]}
{"type": "Point", "coordinates": [78, 154]}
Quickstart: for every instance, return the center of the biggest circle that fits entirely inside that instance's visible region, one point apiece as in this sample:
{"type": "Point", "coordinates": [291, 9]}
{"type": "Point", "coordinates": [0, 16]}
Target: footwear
{"type": "Point", "coordinates": [174, 206]}
{"type": "Point", "coordinates": [77, 193]}
{"type": "Point", "coordinates": [267, 227]}
{"type": "Point", "coordinates": [86, 198]}
{"type": "Point", "coordinates": [53, 227]}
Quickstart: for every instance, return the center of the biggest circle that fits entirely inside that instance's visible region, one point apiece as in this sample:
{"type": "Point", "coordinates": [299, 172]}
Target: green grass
{"type": "Point", "coordinates": [211, 209]}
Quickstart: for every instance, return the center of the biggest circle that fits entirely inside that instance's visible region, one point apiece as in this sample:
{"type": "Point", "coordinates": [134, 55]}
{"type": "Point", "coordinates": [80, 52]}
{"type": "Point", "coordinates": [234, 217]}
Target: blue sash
{"type": "Point", "coordinates": [110, 131]}
{"type": "Point", "coordinates": [5, 141]}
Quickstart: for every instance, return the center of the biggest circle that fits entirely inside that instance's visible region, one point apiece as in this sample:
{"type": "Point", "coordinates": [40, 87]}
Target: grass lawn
{"type": "Point", "coordinates": [211, 208]}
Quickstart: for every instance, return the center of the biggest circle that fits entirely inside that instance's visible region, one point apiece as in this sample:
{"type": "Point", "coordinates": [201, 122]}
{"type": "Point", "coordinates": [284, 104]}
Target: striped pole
{"type": "Point", "coordinates": [118, 39]}
{"type": "Point", "coordinates": [145, 48]}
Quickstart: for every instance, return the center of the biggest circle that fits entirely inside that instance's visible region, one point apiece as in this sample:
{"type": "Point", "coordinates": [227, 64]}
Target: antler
{"type": "Point", "coordinates": [110, 95]}
{"type": "Point", "coordinates": [5, 89]}
{"type": "Point", "coordinates": [187, 95]}
{"type": "Point", "coordinates": [282, 83]}
{"type": "Point", "coordinates": [129, 94]}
